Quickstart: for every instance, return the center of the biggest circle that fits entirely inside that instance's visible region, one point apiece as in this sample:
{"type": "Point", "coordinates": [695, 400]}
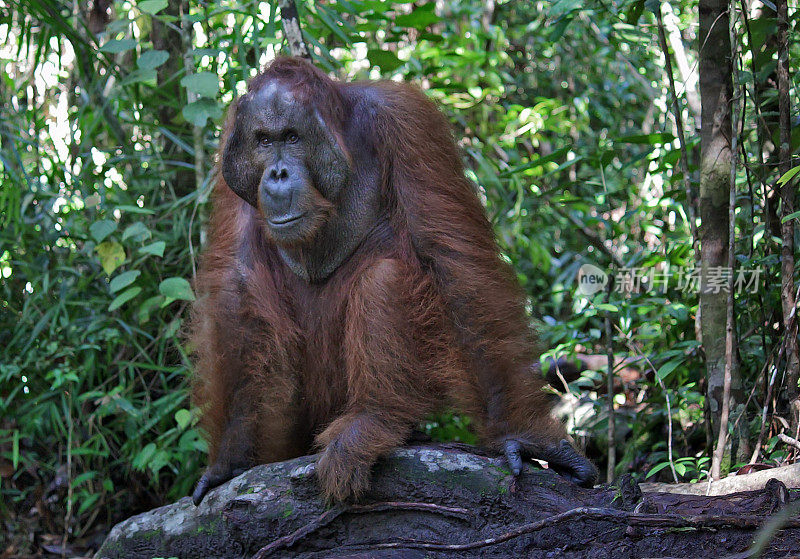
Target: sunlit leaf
{"type": "Point", "coordinates": [112, 255]}
{"type": "Point", "coordinates": [183, 418]}
{"type": "Point", "coordinates": [607, 307]}
{"type": "Point", "coordinates": [788, 175]}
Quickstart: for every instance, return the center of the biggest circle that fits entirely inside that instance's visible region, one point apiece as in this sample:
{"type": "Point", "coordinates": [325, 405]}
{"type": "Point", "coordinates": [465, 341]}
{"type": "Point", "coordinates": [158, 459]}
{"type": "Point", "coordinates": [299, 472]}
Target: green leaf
{"type": "Point", "coordinates": [141, 460]}
{"type": "Point", "coordinates": [608, 307]}
{"type": "Point", "coordinates": [102, 229]}
{"type": "Point", "coordinates": [789, 175]}
{"type": "Point", "coordinates": [668, 367]}
{"type": "Point", "coordinates": [115, 46]}
{"type": "Point", "coordinates": [87, 502]}
{"type": "Point", "coordinates": [112, 255]}
{"type": "Point", "coordinates": [387, 60]}
{"type": "Point", "coordinates": [201, 110]}
{"type": "Point", "coordinates": [793, 215]}
{"type": "Point", "coordinates": [152, 7]}
{"type": "Point", "coordinates": [183, 417]}
{"type": "Point", "coordinates": [123, 280]}
{"type": "Point", "coordinates": [137, 231]}
{"type": "Point", "coordinates": [156, 248]}
{"type": "Point", "coordinates": [149, 304]}
{"type": "Point", "coordinates": [176, 288]}
{"type": "Point", "coordinates": [152, 59]}
{"type": "Point", "coordinates": [85, 476]}
{"type": "Point", "coordinates": [172, 328]}
{"type": "Point", "coordinates": [657, 468]}
{"type": "Point", "coordinates": [124, 297]}
{"type": "Point", "coordinates": [419, 18]}
{"type": "Point", "coordinates": [140, 75]}
{"type": "Point", "coordinates": [202, 83]}
{"type": "Point", "coordinates": [135, 209]}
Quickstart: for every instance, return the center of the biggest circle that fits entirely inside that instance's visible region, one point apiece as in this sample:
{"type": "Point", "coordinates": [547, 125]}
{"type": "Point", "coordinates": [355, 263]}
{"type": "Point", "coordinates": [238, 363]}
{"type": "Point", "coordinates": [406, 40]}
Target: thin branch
{"type": "Point", "coordinates": [697, 522]}
{"type": "Point", "coordinates": [612, 427]}
{"type": "Point", "coordinates": [289, 540]}
{"type": "Point", "coordinates": [332, 514]}
{"type": "Point", "coordinates": [791, 441]}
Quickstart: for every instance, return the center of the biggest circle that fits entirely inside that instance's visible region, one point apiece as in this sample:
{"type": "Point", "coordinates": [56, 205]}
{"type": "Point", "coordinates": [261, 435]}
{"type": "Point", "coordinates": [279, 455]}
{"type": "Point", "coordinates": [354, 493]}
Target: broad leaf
{"type": "Point", "coordinates": [202, 83]}
{"type": "Point", "coordinates": [102, 229]}
{"type": "Point", "coordinates": [124, 297]}
{"type": "Point", "coordinates": [152, 59]}
{"type": "Point", "coordinates": [123, 280]}
{"type": "Point", "coordinates": [112, 255]}
{"type": "Point", "coordinates": [176, 288]}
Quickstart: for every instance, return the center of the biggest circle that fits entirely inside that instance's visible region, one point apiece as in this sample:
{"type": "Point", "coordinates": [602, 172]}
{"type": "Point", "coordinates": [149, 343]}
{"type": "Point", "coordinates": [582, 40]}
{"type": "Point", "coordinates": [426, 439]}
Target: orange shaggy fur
{"type": "Point", "coordinates": [425, 313]}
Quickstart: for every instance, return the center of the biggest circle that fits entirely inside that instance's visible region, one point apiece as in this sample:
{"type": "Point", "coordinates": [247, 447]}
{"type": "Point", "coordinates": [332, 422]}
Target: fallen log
{"type": "Point", "coordinates": [452, 501]}
{"type": "Point", "coordinates": [789, 475]}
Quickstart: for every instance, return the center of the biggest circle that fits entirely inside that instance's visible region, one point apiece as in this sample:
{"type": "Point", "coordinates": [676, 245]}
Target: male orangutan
{"type": "Point", "coordinates": [352, 285]}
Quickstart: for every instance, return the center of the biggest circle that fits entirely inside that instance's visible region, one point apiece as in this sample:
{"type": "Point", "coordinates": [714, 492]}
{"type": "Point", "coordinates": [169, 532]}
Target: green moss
{"type": "Point", "coordinates": [212, 527]}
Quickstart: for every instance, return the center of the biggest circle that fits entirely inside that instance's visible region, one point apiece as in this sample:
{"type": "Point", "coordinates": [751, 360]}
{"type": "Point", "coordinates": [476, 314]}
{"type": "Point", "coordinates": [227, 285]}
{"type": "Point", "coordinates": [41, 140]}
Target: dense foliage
{"type": "Point", "coordinates": [109, 122]}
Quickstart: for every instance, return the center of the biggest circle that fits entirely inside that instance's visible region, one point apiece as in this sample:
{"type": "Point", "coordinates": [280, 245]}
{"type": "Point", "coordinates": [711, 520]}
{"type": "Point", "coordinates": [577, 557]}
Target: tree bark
{"type": "Point", "coordinates": [788, 302]}
{"type": "Point", "coordinates": [292, 30]}
{"type": "Point", "coordinates": [449, 501]}
{"type": "Point", "coordinates": [715, 155]}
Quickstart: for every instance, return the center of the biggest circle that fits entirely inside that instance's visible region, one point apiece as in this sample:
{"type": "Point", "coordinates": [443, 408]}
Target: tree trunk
{"type": "Point", "coordinates": [787, 227]}
{"type": "Point", "coordinates": [715, 154]}
{"type": "Point", "coordinates": [450, 501]}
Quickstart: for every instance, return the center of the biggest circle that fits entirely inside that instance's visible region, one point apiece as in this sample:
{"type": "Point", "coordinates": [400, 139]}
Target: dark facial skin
{"type": "Point", "coordinates": [283, 160]}
{"type": "Point", "coordinates": [318, 202]}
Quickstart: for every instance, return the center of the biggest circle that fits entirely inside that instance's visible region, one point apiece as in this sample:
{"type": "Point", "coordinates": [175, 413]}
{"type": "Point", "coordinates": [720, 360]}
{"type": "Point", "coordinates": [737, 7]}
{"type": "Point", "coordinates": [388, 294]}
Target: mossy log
{"type": "Point", "coordinates": [454, 501]}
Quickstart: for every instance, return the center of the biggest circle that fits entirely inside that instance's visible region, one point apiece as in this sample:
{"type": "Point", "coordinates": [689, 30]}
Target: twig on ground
{"type": "Point", "coordinates": [330, 515]}
{"type": "Point", "coordinates": [698, 522]}
{"type": "Point", "coordinates": [791, 441]}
